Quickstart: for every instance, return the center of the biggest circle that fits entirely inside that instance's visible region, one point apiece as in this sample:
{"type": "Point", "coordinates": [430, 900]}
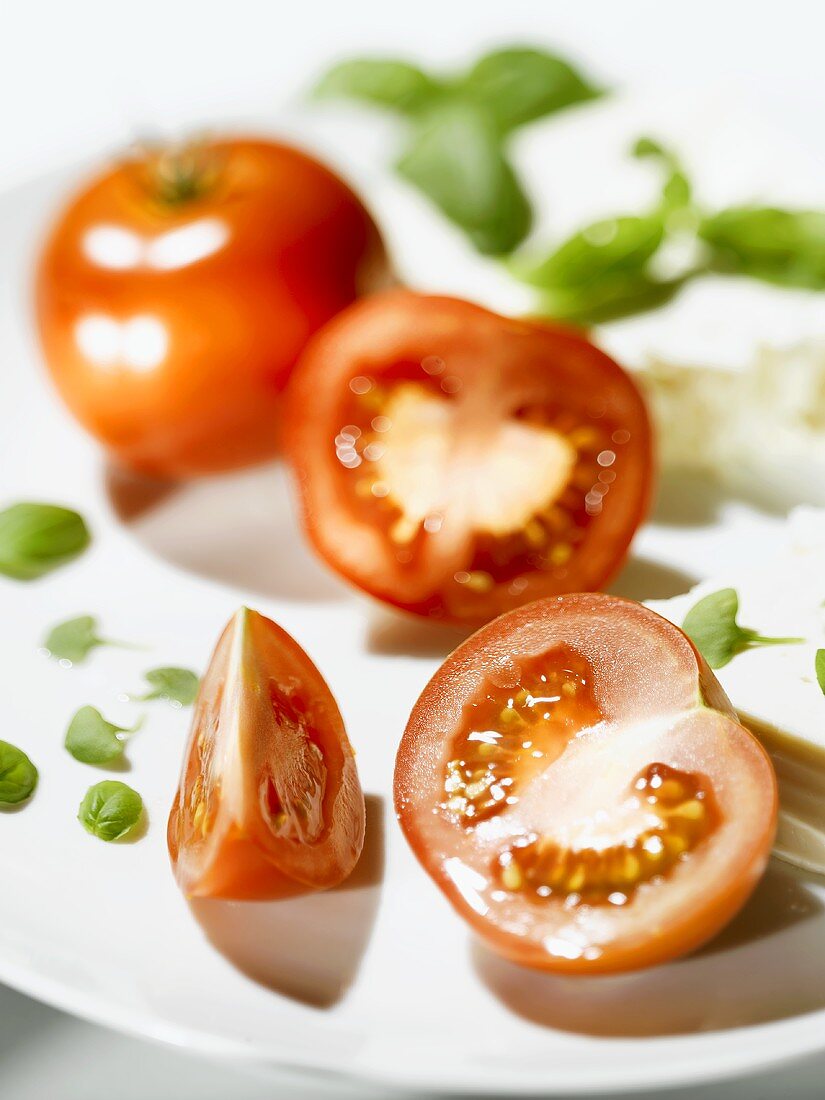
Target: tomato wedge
{"type": "Point", "coordinates": [456, 463]}
{"type": "Point", "coordinates": [269, 804]}
{"type": "Point", "coordinates": [574, 779]}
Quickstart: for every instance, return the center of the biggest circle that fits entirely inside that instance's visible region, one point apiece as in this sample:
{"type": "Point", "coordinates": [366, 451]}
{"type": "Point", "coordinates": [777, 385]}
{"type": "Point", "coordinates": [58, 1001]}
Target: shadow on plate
{"type": "Point", "coordinates": [307, 948]}
{"type": "Point", "coordinates": [238, 528]}
{"type": "Point", "coordinates": [643, 579]}
{"type": "Point", "coordinates": [687, 498]}
{"type": "Point", "coordinates": [735, 981]}
{"type": "Point", "coordinates": [394, 634]}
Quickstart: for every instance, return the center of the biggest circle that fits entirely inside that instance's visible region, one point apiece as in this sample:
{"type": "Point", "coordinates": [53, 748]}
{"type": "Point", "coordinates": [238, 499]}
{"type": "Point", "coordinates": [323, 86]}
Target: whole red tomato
{"type": "Point", "coordinates": [177, 289]}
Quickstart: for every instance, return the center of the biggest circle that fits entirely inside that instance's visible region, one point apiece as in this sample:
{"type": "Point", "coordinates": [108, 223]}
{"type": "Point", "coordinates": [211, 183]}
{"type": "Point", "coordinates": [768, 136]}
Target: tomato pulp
{"type": "Point", "coordinates": [456, 463]}
{"type": "Point", "coordinates": [177, 289]}
{"type": "Point", "coordinates": [576, 782]}
{"type": "Point", "coordinates": [269, 804]}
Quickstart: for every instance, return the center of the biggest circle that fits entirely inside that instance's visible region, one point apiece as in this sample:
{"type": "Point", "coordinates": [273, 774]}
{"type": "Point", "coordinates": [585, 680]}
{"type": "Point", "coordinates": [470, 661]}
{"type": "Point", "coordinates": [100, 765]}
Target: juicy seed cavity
{"type": "Point", "coordinates": [683, 807]}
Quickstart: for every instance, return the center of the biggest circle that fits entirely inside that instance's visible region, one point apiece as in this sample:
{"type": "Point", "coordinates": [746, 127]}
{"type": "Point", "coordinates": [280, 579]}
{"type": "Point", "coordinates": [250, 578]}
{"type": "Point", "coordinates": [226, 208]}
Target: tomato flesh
{"type": "Point", "coordinates": [170, 317]}
{"type": "Point", "coordinates": [577, 784]}
{"type": "Point", "coordinates": [269, 803]}
{"type": "Point", "coordinates": [457, 464]}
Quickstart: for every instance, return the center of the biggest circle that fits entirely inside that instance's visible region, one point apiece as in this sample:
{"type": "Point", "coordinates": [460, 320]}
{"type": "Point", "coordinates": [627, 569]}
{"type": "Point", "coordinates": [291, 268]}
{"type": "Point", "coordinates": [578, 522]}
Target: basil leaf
{"type": "Point", "coordinates": [18, 776]}
{"type": "Point", "coordinates": [36, 538]}
{"type": "Point", "coordinates": [179, 685]}
{"type": "Point", "coordinates": [388, 83]}
{"type": "Point", "coordinates": [456, 159]}
{"type": "Point", "coordinates": [778, 246]}
{"type": "Point", "coordinates": [92, 740]}
{"type": "Point", "coordinates": [712, 627]}
{"type": "Point", "coordinates": [518, 85]}
{"type": "Point", "coordinates": [607, 298]}
{"type": "Point", "coordinates": [110, 810]}
{"type": "Point", "coordinates": [74, 639]}
{"type": "Point", "coordinates": [819, 665]}
{"type": "Point", "coordinates": [677, 192]}
{"type": "Point", "coordinates": [605, 248]}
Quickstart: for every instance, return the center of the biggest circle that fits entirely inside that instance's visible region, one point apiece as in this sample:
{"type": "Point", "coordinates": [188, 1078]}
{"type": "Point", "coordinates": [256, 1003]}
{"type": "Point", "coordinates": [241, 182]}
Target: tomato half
{"type": "Point", "coordinates": [575, 781]}
{"type": "Point", "coordinates": [269, 804]}
{"type": "Point", "coordinates": [457, 463]}
{"type": "Point", "coordinates": [177, 289]}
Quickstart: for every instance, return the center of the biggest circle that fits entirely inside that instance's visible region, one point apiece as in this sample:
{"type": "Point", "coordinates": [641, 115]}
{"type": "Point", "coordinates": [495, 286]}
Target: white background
{"type": "Point", "coordinates": [79, 79]}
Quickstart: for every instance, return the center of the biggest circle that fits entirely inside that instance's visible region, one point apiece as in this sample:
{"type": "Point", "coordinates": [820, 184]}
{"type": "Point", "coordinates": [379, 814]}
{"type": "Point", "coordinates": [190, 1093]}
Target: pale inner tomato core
{"type": "Point", "coordinates": [292, 794]}
{"type": "Point", "coordinates": [509, 736]}
{"type": "Point", "coordinates": [500, 491]}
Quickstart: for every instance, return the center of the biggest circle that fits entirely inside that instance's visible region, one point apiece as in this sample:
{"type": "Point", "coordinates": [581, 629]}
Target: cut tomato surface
{"type": "Point", "coordinates": [576, 782]}
{"type": "Point", "coordinates": [457, 463]}
{"type": "Point", "coordinates": [269, 804]}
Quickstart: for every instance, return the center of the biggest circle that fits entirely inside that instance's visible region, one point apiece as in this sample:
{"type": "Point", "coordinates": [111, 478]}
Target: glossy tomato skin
{"type": "Point", "coordinates": [269, 804]}
{"type": "Point", "coordinates": [493, 370]}
{"type": "Point", "coordinates": [643, 669]}
{"type": "Point", "coordinates": [170, 327]}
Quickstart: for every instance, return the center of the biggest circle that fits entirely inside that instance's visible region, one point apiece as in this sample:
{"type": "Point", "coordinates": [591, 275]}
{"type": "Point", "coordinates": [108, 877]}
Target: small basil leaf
{"type": "Point", "coordinates": [110, 810]}
{"type": "Point", "coordinates": [385, 83]}
{"type": "Point", "coordinates": [607, 298]}
{"type": "Point", "coordinates": [517, 85]}
{"type": "Point", "coordinates": [36, 538]}
{"type": "Point", "coordinates": [456, 159]}
{"type": "Point", "coordinates": [779, 246]}
{"type": "Point", "coordinates": [677, 192]}
{"type": "Point", "coordinates": [74, 639]}
{"type": "Point", "coordinates": [18, 776]}
{"type": "Point", "coordinates": [712, 627]}
{"type": "Point", "coordinates": [179, 685]}
{"type": "Point", "coordinates": [819, 665]}
{"type": "Point", "coordinates": [606, 248]}
{"type": "Point", "coordinates": [92, 740]}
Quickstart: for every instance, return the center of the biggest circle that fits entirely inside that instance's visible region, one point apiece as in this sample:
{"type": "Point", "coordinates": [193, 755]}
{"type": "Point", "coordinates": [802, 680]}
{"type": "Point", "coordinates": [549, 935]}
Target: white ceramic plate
{"type": "Point", "coordinates": [377, 980]}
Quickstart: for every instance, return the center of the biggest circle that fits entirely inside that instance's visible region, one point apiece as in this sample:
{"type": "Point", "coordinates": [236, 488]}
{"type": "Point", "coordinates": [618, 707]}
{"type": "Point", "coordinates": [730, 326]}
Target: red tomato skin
{"type": "Point", "coordinates": [177, 365]}
{"type": "Point", "coordinates": [398, 323]}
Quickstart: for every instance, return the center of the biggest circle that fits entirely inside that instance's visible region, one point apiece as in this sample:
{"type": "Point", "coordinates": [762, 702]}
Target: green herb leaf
{"type": "Point", "coordinates": [819, 665]}
{"type": "Point", "coordinates": [18, 776]}
{"type": "Point", "coordinates": [388, 83]}
{"type": "Point", "coordinates": [677, 192]}
{"type": "Point", "coordinates": [92, 740]}
{"type": "Point", "coordinates": [179, 685]}
{"type": "Point", "coordinates": [607, 298]}
{"type": "Point", "coordinates": [455, 158]}
{"type": "Point", "coordinates": [74, 639]}
{"type": "Point", "coordinates": [518, 85]}
{"type": "Point", "coordinates": [36, 538]}
{"type": "Point", "coordinates": [778, 246]}
{"type": "Point", "coordinates": [607, 248]}
{"type": "Point", "coordinates": [712, 627]}
{"type": "Point", "coordinates": [110, 810]}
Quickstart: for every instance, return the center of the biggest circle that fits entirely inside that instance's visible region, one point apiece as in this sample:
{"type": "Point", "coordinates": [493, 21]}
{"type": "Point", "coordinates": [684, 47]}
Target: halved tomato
{"type": "Point", "coordinates": [457, 463]}
{"type": "Point", "coordinates": [269, 804]}
{"type": "Point", "coordinates": [575, 781]}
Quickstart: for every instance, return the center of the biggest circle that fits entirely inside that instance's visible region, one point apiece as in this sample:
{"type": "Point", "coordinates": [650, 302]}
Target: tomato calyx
{"type": "Point", "coordinates": [175, 174]}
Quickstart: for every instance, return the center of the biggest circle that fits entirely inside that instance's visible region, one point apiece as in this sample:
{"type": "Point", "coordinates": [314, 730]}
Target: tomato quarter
{"type": "Point", "coordinates": [456, 463]}
{"type": "Point", "coordinates": [269, 804]}
{"type": "Point", "coordinates": [176, 291]}
{"type": "Point", "coordinates": [575, 781]}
